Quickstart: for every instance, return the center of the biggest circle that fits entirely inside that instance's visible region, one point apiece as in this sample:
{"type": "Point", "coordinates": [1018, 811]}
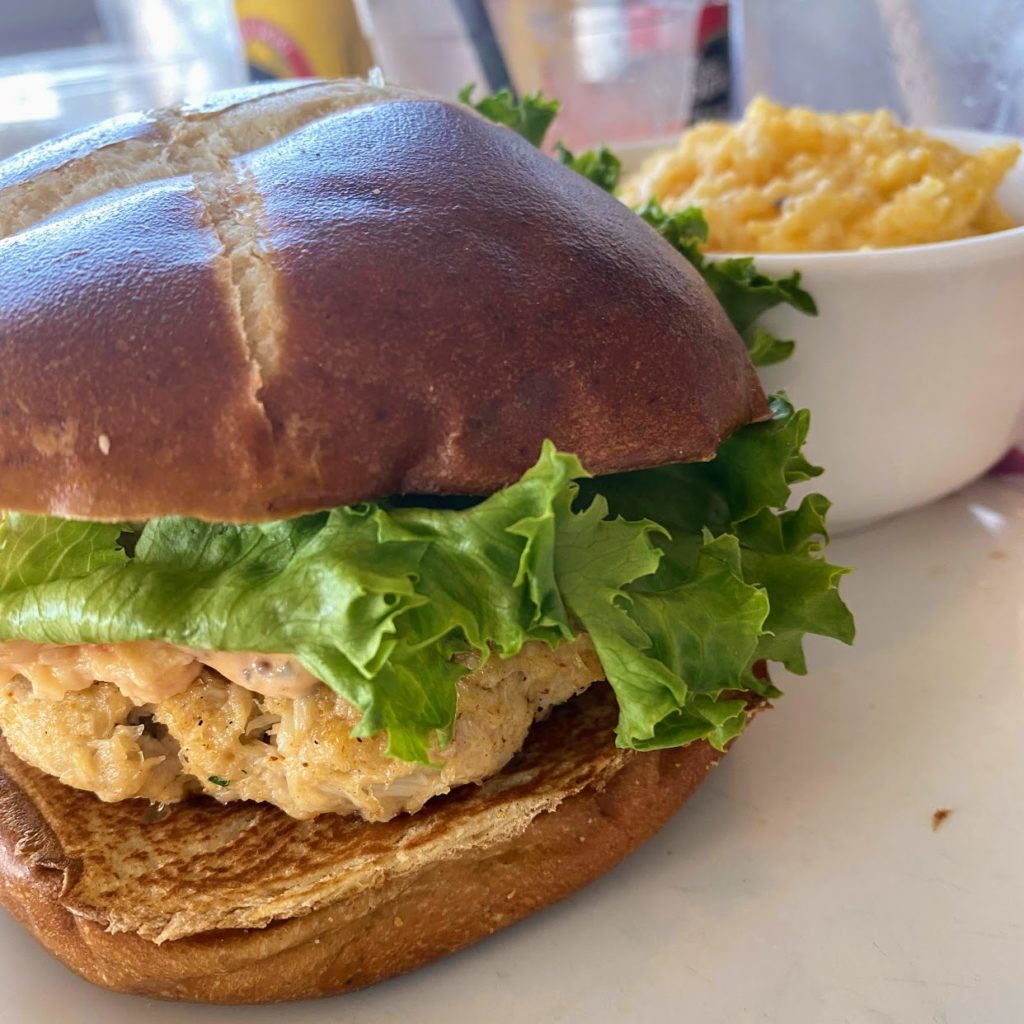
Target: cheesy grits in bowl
{"type": "Point", "coordinates": [790, 180]}
{"type": "Point", "coordinates": [914, 367]}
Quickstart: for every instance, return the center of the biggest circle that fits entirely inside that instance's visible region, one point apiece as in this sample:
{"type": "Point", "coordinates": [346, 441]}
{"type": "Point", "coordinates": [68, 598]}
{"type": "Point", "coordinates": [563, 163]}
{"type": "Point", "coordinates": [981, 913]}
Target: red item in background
{"type": "Point", "coordinates": [1012, 462]}
{"type": "Point", "coordinates": [714, 21]}
{"type": "Point", "coordinates": [289, 55]}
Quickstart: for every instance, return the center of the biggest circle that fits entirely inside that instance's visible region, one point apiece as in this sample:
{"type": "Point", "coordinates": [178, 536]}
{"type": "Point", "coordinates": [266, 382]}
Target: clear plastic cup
{"type": "Point", "coordinates": [623, 69]}
{"type": "Point", "coordinates": [932, 62]}
{"type": "Point", "coordinates": [132, 55]}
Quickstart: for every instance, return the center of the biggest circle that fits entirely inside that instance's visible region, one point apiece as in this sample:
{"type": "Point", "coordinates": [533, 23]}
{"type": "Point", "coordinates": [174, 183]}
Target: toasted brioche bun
{"type": "Point", "coordinates": [242, 904]}
{"type": "Point", "coordinates": [302, 295]}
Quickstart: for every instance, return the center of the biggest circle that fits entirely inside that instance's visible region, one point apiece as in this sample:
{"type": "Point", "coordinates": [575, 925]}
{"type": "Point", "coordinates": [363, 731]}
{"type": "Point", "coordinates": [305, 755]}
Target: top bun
{"type": "Point", "coordinates": [302, 295]}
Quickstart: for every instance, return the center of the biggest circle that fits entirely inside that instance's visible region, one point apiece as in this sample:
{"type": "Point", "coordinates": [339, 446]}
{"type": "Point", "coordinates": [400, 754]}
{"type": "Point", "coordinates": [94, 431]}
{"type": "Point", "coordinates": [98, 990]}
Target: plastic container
{"type": "Point", "coordinates": [429, 45]}
{"type": "Point", "coordinates": [135, 54]}
{"type": "Point", "coordinates": [930, 61]}
{"type": "Point", "coordinates": [623, 69]}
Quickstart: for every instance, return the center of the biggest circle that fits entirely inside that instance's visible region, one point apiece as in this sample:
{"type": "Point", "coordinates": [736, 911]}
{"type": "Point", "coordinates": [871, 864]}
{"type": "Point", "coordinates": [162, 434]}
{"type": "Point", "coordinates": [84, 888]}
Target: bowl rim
{"type": "Point", "coordinates": [994, 245]}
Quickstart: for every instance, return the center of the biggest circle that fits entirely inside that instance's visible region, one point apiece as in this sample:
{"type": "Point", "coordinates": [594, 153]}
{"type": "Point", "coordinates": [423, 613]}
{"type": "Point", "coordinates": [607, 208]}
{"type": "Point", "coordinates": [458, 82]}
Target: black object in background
{"type": "Point", "coordinates": [711, 91]}
{"type": "Point", "coordinates": [480, 30]}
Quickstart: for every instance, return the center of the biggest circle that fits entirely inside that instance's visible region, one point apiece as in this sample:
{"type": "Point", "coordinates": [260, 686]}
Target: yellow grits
{"type": "Point", "coordinates": [791, 180]}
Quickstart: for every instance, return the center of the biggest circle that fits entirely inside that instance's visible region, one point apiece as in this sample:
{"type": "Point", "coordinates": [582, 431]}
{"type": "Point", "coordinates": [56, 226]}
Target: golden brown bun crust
{"type": "Point", "coordinates": [301, 296]}
{"type": "Point", "coordinates": [566, 811]}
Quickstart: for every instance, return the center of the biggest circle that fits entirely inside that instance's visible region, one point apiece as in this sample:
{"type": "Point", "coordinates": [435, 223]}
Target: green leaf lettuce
{"type": "Point", "coordinates": [684, 577]}
{"type": "Point", "coordinates": [600, 166]}
{"type": "Point", "coordinates": [743, 291]}
{"type": "Point", "coordinates": [530, 116]}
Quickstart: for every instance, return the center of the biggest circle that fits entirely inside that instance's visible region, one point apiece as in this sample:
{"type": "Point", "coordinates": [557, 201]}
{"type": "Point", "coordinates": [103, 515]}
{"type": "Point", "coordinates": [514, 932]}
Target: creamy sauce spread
{"type": "Point", "coordinates": [273, 675]}
{"type": "Point", "coordinates": [147, 671]}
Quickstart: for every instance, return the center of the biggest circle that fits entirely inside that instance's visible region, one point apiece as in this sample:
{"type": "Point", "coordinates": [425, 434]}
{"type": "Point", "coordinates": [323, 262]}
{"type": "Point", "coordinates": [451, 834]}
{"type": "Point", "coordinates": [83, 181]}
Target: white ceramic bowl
{"type": "Point", "coordinates": [914, 368]}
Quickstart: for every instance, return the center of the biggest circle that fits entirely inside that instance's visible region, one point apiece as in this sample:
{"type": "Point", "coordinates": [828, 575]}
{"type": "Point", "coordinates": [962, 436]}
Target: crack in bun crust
{"type": "Point", "coordinates": [256, 907]}
{"type": "Point", "coordinates": [295, 298]}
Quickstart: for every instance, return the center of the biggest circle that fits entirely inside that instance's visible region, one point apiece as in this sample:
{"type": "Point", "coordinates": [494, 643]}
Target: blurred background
{"type": "Point", "coordinates": [626, 70]}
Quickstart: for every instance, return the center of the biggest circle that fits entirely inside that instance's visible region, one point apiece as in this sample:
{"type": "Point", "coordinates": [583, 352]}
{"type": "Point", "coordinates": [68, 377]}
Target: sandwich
{"type": "Point", "coordinates": [394, 535]}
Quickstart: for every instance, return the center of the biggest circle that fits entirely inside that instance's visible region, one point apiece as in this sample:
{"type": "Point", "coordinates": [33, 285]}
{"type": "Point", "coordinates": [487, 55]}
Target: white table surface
{"type": "Point", "coordinates": [804, 882]}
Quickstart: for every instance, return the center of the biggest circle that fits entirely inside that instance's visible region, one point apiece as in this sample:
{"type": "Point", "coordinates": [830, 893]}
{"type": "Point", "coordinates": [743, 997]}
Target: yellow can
{"type": "Point", "coordinates": [302, 39]}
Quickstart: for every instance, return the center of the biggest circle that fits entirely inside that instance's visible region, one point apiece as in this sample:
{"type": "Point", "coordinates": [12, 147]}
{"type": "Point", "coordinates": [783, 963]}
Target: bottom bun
{"type": "Point", "coordinates": [242, 904]}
